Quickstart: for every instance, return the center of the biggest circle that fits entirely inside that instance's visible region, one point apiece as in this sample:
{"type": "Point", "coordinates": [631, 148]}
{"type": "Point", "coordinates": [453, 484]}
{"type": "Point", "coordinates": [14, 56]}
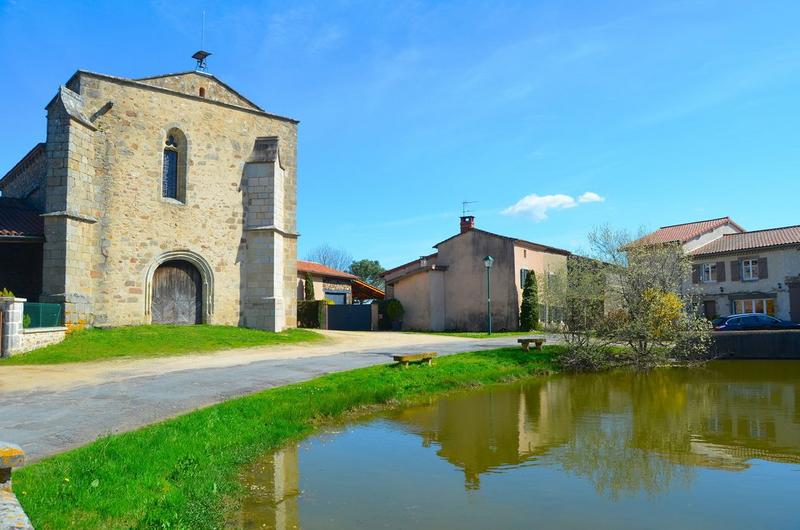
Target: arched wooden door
{"type": "Point", "coordinates": [177, 294]}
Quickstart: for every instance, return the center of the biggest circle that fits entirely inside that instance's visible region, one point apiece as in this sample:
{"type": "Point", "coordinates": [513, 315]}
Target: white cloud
{"type": "Point", "coordinates": [591, 196]}
{"type": "Point", "coordinates": [537, 206]}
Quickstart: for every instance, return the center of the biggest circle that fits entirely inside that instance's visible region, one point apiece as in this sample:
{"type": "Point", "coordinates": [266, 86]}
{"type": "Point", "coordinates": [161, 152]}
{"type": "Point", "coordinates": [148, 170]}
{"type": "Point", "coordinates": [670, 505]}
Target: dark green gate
{"type": "Point", "coordinates": [350, 317]}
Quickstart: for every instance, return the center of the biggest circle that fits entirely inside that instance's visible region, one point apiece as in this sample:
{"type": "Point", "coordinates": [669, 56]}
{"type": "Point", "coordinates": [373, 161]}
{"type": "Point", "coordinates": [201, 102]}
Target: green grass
{"type": "Point", "coordinates": [155, 341]}
{"type": "Point", "coordinates": [479, 334]}
{"type": "Point", "coordinates": [182, 473]}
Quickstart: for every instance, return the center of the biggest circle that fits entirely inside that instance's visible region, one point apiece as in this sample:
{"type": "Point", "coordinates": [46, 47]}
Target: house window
{"type": "Point", "coordinates": [202, 92]}
{"type": "Point", "coordinates": [750, 269]}
{"type": "Point", "coordinates": [708, 273]}
{"type": "Point", "coordinates": [764, 306]}
{"type": "Point", "coordinates": [173, 169]}
{"type": "Point", "coordinates": [523, 275]}
{"type": "Point", "coordinates": [338, 298]}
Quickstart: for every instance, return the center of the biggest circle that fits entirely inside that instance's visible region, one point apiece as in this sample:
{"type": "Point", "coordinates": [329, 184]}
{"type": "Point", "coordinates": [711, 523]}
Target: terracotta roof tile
{"type": "Point", "coordinates": [19, 220]}
{"type": "Point", "coordinates": [773, 237]}
{"type": "Point", "coordinates": [687, 231]}
{"type": "Point", "coordinates": [321, 270]}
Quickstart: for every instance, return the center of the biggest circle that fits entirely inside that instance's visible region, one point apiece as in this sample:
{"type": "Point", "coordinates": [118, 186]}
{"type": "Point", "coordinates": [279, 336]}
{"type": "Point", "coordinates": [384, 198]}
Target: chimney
{"type": "Point", "coordinates": [467, 223]}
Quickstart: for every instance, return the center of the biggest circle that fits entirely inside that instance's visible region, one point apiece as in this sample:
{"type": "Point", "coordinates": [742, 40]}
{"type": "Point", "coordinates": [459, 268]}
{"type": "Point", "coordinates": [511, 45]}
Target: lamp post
{"type": "Point", "coordinates": [488, 261]}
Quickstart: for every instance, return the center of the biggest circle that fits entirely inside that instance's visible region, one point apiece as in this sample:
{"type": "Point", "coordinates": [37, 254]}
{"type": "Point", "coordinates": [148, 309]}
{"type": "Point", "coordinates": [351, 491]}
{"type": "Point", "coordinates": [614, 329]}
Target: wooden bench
{"type": "Point", "coordinates": [406, 358]}
{"type": "Point", "coordinates": [526, 343]}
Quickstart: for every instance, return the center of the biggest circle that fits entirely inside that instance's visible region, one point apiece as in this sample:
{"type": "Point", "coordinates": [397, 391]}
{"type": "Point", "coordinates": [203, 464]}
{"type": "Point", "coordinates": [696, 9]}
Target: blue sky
{"type": "Point", "coordinates": [667, 111]}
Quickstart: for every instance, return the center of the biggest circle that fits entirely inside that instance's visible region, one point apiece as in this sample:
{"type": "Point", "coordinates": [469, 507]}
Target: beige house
{"type": "Point", "coordinates": [738, 271]}
{"type": "Point", "coordinates": [447, 290]}
{"type": "Point", "coordinates": [166, 199]}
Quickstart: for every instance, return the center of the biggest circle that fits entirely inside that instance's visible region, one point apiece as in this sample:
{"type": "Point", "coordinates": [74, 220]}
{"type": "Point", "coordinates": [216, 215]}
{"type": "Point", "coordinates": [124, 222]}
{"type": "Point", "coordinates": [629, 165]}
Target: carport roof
{"type": "Point", "coordinates": [19, 221]}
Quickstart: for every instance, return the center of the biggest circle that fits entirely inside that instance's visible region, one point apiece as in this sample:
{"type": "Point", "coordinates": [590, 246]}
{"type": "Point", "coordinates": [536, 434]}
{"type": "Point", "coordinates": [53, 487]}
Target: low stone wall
{"type": "Point", "coordinates": [12, 516]}
{"type": "Point", "coordinates": [33, 338]}
{"type": "Point", "coordinates": [15, 338]}
{"type": "Point", "coordinates": [783, 344]}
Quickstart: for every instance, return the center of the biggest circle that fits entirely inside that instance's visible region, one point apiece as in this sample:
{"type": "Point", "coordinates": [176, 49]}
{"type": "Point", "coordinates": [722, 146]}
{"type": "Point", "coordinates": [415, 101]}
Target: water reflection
{"type": "Point", "coordinates": [629, 435]}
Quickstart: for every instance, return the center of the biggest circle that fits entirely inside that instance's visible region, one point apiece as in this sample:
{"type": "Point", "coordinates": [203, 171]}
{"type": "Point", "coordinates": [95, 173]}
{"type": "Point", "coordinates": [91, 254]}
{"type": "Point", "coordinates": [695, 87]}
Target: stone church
{"type": "Point", "coordinates": [165, 199]}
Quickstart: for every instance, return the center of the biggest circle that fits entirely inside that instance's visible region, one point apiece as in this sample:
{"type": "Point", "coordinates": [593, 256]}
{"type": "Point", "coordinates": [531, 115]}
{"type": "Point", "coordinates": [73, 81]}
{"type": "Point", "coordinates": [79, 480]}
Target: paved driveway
{"type": "Point", "coordinates": [48, 409]}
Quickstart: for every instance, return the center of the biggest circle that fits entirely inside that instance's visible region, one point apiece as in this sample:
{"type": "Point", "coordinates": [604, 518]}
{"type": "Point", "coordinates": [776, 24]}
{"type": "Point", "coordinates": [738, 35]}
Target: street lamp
{"type": "Point", "coordinates": [488, 261]}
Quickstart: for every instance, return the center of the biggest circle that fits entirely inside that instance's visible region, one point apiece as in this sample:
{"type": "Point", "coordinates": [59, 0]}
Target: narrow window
{"type": "Point", "coordinates": [169, 176]}
{"type": "Point", "coordinates": [750, 269]}
{"type": "Point", "coordinates": [202, 92]}
{"type": "Point", "coordinates": [709, 273]}
{"type": "Point", "coordinates": [523, 275]}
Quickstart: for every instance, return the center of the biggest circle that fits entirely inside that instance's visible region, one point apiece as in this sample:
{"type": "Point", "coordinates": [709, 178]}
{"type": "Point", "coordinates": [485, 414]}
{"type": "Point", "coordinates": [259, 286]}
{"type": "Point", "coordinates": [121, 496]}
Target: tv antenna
{"type": "Point", "coordinates": [465, 207]}
{"type": "Point", "coordinates": [201, 55]}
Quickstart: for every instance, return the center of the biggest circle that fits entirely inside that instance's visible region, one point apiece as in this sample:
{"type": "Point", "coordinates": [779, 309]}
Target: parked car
{"type": "Point", "coordinates": [751, 321]}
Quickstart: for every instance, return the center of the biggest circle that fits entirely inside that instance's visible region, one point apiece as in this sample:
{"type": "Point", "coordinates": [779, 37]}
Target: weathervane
{"type": "Point", "coordinates": [201, 55]}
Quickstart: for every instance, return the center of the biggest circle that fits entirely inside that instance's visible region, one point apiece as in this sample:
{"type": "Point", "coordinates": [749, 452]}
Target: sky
{"type": "Point", "coordinates": [554, 116]}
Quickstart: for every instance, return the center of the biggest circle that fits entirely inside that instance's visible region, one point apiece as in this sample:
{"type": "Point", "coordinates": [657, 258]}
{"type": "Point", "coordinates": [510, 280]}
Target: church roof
{"type": "Point", "coordinates": [160, 84]}
{"type": "Point", "coordinates": [19, 221]}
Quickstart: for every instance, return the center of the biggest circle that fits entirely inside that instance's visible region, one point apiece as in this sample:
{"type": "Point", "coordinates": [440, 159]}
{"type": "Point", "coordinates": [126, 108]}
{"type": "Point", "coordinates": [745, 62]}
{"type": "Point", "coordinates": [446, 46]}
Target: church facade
{"type": "Point", "coordinates": [169, 199]}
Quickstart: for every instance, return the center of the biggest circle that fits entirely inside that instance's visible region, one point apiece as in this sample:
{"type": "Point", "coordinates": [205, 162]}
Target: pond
{"type": "Point", "coordinates": [710, 447]}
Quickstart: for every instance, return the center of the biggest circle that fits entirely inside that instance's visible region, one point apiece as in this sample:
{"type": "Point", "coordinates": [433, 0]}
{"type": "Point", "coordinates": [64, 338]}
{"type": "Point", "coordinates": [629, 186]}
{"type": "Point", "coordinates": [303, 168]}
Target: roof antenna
{"type": "Point", "coordinates": [465, 207]}
{"type": "Point", "coordinates": [201, 55]}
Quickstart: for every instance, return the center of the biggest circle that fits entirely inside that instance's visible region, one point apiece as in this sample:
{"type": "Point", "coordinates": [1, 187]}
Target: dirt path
{"type": "Point", "coordinates": [56, 377]}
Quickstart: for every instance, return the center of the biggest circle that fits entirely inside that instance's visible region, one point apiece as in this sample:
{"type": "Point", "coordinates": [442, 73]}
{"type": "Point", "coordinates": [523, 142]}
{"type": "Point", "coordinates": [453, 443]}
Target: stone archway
{"type": "Point", "coordinates": [179, 288]}
{"type": "Point", "coordinates": [177, 294]}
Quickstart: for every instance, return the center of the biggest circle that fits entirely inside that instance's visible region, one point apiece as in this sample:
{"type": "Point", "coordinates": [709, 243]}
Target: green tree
{"type": "Point", "coordinates": [370, 271]}
{"type": "Point", "coordinates": [309, 287]}
{"type": "Point", "coordinates": [529, 315]}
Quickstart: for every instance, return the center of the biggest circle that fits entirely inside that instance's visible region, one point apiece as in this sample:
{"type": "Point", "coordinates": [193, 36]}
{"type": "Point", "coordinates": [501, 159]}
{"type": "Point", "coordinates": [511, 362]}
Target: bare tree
{"type": "Point", "coordinates": [647, 303]}
{"type": "Point", "coordinates": [335, 258]}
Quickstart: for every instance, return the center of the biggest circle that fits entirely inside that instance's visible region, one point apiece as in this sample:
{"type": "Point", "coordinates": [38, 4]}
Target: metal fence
{"type": "Point", "coordinates": [36, 315]}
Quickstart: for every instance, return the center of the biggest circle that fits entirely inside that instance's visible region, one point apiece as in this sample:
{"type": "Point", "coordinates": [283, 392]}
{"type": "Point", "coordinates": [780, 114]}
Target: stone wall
{"type": "Point", "coordinates": [190, 83]}
{"type": "Point", "coordinates": [26, 180]}
{"type": "Point", "coordinates": [104, 236]}
{"type": "Point", "coordinates": [341, 286]}
{"type": "Point", "coordinates": [34, 338]}
{"type": "Point", "coordinates": [17, 339]}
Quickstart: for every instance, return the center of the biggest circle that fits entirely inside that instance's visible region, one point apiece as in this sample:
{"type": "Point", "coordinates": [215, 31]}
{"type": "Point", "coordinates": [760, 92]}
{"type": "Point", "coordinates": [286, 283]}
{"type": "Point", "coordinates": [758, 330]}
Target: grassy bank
{"type": "Point", "coordinates": [155, 341]}
{"type": "Point", "coordinates": [182, 473]}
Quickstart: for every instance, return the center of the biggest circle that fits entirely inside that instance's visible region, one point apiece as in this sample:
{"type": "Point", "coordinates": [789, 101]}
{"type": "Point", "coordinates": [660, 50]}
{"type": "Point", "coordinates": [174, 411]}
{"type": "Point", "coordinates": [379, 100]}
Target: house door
{"type": "Point", "coordinates": [177, 294]}
{"type": "Point", "coordinates": [710, 309]}
{"type": "Point", "coordinates": [794, 301]}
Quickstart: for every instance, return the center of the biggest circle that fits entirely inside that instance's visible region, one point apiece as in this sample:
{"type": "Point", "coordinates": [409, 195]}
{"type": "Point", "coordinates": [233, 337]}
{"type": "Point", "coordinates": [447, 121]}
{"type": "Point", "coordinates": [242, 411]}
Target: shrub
{"type": "Point", "coordinates": [72, 327]}
{"type": "Point", "coordinates": [529, 314]}
{"type": "Point", "coordinates": [394, 310]}
{"type": "Point", "coordinates": [310, 313]}
{"type": "Point", "coordinates": [5, 293]}
{"type": "Point", "coordinates": [26, 321]}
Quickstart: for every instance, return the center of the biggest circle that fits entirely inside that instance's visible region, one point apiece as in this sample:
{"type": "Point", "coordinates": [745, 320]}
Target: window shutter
{"type": "Point", "coordinates": [720, 271]}
{"type": "Point", "coordinates": [695, 273]}
{"type": "Point", "coordinates": [736, 271]}
{"type": "Point", "coordinates": [762, 269]}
